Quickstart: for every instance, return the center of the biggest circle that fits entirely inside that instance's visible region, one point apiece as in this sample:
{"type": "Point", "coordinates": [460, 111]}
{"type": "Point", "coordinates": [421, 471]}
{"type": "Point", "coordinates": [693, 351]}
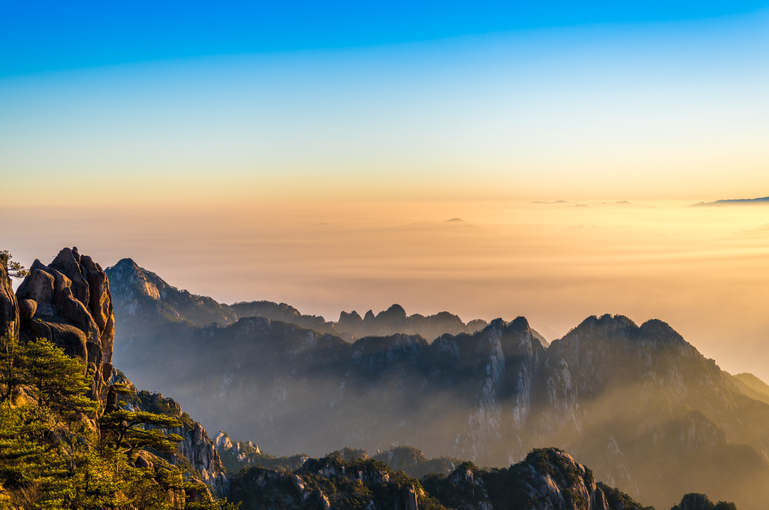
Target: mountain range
{"type": "Point", "coordinates": [639, 404]}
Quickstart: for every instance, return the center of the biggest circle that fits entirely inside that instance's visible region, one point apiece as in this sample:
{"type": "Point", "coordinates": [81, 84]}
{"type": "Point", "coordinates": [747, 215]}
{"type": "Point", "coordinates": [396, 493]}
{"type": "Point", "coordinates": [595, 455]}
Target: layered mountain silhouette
{"type": "Point", "coordinates": [143, 290]}
{"type": "Point", "coordinates": [639, 404]}
{"type": "Point", "coordinates": [734, 201]}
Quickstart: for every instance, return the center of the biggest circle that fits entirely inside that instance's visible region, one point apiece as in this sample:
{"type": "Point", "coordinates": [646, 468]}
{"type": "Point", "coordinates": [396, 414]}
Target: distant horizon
{"type": "Point", "coordinates": [704, 271]}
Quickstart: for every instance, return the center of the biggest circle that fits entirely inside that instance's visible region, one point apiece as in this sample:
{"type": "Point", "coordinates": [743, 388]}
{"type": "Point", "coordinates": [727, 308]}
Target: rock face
{"type": "Point", "coordinates": [142, 295]}
{"type": "Point", "coordinates": [69, 302]}
{"type": "Point", "coordinates": [548, 479]}
{"type": "Point", "coordinates": [199, 450]}
{"type": "Point", "coordinates": [9, 308]}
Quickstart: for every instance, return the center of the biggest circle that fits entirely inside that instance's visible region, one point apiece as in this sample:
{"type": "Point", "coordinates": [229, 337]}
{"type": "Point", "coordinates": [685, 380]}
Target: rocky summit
{"type": "Point", "coordinates": [69, 302]}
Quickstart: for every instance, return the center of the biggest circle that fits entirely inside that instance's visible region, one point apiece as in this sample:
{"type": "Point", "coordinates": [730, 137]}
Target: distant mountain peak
{"type": "Point", "coordinates": [733, 201]}
{"type": "Point", "coordinates": [455, 220]}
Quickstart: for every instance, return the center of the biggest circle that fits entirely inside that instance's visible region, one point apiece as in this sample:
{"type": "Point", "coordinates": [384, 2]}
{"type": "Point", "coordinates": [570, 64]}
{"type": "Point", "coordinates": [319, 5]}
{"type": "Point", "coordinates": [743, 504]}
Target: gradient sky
{"type": "Point", "coordinates": [176, 132]}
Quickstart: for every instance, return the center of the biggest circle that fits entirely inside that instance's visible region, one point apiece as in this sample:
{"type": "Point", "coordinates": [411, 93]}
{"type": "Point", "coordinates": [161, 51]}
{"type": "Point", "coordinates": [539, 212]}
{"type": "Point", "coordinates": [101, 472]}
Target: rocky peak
{"type": "Point", "coordinates": [222, 441]}
{"type": "Point", "coordinates": [349, 319]}
{"type": "Point", "coordinates": [702, 502]}
{"type": "Point", "coordinates": [136, 289]}
{"type": "Point", "coordinates": [549, 479]}
{"type": "Point", "coordinates": [128, 280]}
{"type": "Point", "coordinates": [555, 480]}
{"type": "Point", "coordinates": [395, 320]}
{"type": "Point", "coordinates": [70, 303]}
{"type": "Point", "coordinates": [656, 330]}
{"type": "Point", "coordinates": [604, 326]}
{"type": "Point", "coordinates": [395, 313]}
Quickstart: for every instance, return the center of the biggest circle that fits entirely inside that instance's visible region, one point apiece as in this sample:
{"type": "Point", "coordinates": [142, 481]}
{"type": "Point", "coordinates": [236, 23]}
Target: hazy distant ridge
{"type": "Point", "coordinates": [144, 288]}
{"type": "Point", "coordinates": [735, 201]}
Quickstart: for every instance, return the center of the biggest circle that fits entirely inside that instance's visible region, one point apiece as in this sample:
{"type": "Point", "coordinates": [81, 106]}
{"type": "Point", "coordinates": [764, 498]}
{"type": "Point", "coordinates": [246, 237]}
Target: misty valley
{"type": "Point", "coordinates": [185, 403]}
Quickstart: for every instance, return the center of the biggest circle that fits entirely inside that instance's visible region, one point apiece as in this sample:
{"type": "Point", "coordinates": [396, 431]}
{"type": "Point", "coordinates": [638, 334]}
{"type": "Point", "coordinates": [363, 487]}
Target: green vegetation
{"type": "Point", "coordinates": [345, 479]}
{"type": "Point", "coordinates": [618, 499]}
{"type": "Point", "coordinates": [57, 453]}
{"type": "Point", "coordinates": [15, 269]}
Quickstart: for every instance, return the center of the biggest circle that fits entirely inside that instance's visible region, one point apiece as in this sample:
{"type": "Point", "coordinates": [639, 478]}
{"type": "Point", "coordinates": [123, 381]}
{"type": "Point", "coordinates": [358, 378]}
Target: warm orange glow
{"type": "Point", "coordinates": [703, 270]}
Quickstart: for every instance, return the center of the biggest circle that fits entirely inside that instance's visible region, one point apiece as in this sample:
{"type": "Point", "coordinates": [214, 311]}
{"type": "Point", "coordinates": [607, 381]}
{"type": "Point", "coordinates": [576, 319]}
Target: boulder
{"type": "Point", "coordinates": [27, 308]}
{"type": "Point", "coordinates": [38, 286]}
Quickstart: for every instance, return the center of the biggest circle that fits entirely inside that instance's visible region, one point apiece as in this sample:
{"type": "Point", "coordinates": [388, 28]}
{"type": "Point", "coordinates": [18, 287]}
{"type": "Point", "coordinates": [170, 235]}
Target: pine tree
{"type": "Point", "coordinates": [50, 460]}
{"type": "Point", "coordinates": [57, 381]}
{"type": "Point", "coordinates": [11, 357]}
{"type": "Point", "coordinates": [130, 431]}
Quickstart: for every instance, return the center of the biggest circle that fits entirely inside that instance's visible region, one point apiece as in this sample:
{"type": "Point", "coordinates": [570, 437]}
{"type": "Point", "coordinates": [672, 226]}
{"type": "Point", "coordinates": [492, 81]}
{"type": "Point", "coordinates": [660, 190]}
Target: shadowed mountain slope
{"type": "Point", "coordinates": [639, 404]}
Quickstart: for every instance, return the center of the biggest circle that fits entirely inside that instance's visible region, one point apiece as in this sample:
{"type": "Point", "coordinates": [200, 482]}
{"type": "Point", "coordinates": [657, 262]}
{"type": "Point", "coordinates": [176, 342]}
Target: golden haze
{"type": "Point", "coordinates": [704, 270]}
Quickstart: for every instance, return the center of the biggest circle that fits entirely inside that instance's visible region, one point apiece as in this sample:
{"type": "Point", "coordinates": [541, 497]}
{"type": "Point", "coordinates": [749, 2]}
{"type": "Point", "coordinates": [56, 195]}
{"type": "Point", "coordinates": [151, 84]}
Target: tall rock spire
{"type": "Point", "coordinates": [69, 302]}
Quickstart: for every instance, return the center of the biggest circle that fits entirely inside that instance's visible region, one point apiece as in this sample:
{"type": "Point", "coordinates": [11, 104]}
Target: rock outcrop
{"type": "Point", "coordinates": [199, 450]}
{"type": "Point", "coordinates": [9, 308]}
{"type": "Point", "coordinates": [548, 479]}
{"type": "Point", "coordinates": [328, 483]}
{"type": "Point", "coordinates": [69, 302]}
{"type": "Point", "coordinates": [702, 502]}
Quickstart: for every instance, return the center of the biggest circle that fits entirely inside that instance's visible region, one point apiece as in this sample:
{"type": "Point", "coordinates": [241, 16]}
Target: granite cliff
{"type": "Point", "coordinates": [69, 302]}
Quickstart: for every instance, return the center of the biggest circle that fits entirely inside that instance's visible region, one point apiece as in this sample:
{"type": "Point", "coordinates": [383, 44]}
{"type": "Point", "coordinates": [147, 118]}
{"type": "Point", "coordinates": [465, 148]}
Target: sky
{"type": "Point", "coordinates": [311, 153]}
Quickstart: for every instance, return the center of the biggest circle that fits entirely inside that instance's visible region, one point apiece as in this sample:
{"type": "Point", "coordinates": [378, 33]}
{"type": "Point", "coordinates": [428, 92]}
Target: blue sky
{"type": "Point", "coordinates": [395, 101]}
{"type": "Point", "coordinates": [39, 36]}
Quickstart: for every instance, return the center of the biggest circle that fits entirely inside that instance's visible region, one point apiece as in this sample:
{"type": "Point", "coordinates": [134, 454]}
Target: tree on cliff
{"type": "Point", "coordinates": [135, 430]}
{"type": "Point", "coordinates": [51, 456]}
{"type": "Point", "coordinates": [58, 382]}
{"type": "Point", "coordinates": [11, 370]}
{"type": "Point", "coordinates": [15, 269]}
